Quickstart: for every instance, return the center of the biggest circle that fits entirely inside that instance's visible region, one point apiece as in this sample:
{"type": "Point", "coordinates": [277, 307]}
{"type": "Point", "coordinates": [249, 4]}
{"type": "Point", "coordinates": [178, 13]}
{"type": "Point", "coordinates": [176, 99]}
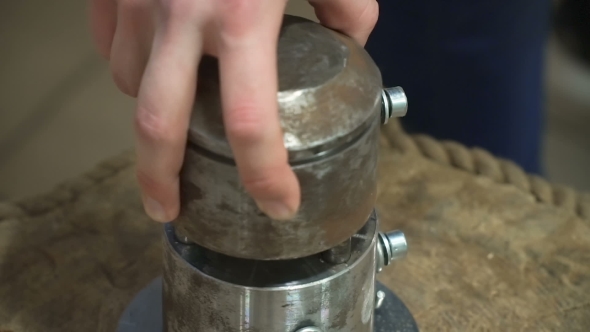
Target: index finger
{"type": "Point", "coordinates": [247, 49]}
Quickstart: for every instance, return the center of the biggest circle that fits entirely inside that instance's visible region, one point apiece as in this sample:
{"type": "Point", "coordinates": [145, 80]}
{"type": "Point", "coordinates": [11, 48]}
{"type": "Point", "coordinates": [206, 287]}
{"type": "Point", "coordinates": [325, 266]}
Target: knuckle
{"type": "Point", "coordinates": [237, 16]}
{"type": "Point", "coordinates": [154, 127]}
{"type": "Point", "coordinates": [246, 125]}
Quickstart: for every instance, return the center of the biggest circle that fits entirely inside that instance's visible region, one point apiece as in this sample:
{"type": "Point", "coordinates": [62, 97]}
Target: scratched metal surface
{"type": "Point", "coordinates": [330, 102]}
{"type": "Point", "coordinates": [144, 313]}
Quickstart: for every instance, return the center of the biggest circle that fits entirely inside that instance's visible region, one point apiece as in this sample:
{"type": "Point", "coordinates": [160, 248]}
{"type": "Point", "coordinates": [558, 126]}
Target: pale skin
{"type": "Point", "coordinates": [154, 48]}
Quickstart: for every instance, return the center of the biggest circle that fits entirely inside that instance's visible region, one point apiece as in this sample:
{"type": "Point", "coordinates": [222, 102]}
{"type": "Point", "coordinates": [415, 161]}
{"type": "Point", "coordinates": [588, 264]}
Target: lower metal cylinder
{"type": "Point", "coordinates": [206, 291]}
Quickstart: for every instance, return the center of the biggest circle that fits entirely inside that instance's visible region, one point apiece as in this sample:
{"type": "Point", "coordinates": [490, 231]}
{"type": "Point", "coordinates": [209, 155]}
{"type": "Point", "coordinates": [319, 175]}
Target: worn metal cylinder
{"type": "Point", "coordinates": [207, 291]}
{"type": "Point", "coordinates": [330, 98]}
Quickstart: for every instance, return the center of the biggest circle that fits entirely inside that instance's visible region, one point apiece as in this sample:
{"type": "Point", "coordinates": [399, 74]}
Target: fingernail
{"type": "Point", "coordinates": [155, 210]}
{"type": "Point", "coordinates": [275, 209]}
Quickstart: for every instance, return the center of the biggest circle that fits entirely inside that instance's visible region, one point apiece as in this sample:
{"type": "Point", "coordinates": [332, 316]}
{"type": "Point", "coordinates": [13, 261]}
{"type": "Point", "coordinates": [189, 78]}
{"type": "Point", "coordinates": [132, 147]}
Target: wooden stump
{"type": "Point", "coordinates": [483, 256]}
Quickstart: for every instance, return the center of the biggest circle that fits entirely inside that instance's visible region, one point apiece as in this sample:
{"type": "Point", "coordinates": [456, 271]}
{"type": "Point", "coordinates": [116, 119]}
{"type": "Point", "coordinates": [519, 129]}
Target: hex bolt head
{"type": "Point", "coordinates": [391, 246]}
{"type": "Point", "coordinates": [398, 244]}
{"type": "Point", "coordinates": [379, 298]}
{"type": "Point", "coordinates": [394, 104]}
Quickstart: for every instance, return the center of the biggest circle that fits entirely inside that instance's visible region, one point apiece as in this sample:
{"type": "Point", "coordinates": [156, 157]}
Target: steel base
{"type": "Point", "coordinates": [144, 313]}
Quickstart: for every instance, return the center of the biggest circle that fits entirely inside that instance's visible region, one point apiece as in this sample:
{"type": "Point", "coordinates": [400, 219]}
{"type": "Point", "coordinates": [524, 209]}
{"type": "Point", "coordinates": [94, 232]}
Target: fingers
{"type": "Point", "coordinates": [355, 18]}
{"type": "Point", "coordinates": [164, 105]}
{"type": "Point", "coordinates": [247, 48]}
{"type": "Point", "coordinates": [103, 21]}
{"type": "Point", "coordinates": [131, 44]}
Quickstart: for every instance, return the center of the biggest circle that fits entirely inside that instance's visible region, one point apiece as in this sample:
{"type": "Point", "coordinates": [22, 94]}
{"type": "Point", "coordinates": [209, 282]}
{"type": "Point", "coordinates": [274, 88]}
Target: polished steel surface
{"type": "Point", "coordinates": [206, 291]}
{"type": "Point", "coordinates": [391, 246]}
{"type": "Point", "coordinates": [398, 245]}
{"type": "Point", "coordinates": [330, 107]}
{"type": "Point", "coordinates": [394, 105]}
{"type": "Point", "coordinates": [144, 313]}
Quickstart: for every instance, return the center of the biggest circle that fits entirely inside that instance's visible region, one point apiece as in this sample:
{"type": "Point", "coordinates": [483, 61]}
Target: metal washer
{"type": "Point", "coordinates": [144, 313]}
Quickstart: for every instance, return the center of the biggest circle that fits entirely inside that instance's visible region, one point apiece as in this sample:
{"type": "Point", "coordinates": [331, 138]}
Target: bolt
{"type": "Point", "coordinates": [394, 104]}
{"type": "Point", "coordinates": [398, 244]}
{"type": "Point", "coordinates": [391, 246]}
{"type": "Point", "coordinates": [380, 297]}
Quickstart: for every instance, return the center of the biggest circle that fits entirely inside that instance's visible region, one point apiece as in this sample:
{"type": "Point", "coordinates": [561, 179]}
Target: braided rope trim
{"type": "Point", "coordinates": [480, 162]}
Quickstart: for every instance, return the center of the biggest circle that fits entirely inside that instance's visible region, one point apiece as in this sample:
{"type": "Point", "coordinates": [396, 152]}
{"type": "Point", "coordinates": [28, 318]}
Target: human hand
{"type": "Point", "coordinates": [154, 48]}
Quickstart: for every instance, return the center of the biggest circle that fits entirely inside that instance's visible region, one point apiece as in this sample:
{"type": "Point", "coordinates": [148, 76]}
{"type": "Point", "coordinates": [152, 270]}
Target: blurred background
{"type": "Point", "coordinates": [60, 113]}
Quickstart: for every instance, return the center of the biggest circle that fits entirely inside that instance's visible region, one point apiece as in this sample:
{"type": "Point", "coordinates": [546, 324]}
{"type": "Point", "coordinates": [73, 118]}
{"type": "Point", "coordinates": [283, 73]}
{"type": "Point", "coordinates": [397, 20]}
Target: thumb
{"type": "Point", "coordinates": [355, 18]}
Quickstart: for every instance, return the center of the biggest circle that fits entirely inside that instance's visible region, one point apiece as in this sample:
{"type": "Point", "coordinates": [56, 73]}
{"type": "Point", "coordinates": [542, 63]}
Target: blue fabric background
{"type": "Point", "coordinates": [472, 70]}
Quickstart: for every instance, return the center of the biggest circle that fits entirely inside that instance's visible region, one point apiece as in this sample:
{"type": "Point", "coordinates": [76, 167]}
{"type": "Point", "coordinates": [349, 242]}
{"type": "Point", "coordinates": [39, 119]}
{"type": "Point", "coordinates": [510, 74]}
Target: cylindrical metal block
{"type": "Point", "coordinates": [207, 291]}
{"type": "Point", "coordinates": [338, 193]}
{"type": "Point", "coordinates": [329, 99]}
